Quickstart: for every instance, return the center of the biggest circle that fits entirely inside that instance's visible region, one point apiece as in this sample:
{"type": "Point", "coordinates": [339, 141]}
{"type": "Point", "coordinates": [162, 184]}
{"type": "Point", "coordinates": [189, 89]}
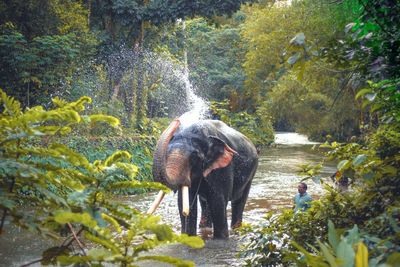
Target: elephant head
{"type": "Point", "coordinates": [181, 157]}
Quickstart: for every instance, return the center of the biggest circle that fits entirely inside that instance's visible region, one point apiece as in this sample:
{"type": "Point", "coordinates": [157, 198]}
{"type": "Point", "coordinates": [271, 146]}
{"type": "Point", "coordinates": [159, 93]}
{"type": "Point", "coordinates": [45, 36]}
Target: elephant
{"type": "Point", "coordinates": [209, 160]}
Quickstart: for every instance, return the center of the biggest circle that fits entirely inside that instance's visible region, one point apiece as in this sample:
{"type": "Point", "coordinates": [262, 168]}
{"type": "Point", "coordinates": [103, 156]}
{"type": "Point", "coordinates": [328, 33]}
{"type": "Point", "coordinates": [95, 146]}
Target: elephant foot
{"type": "Point", "coordinates": [221, 235]}
{"type": "Point", "coordinates": [237, 225]}
{"type": "Point", "coordinates": [224, 235]}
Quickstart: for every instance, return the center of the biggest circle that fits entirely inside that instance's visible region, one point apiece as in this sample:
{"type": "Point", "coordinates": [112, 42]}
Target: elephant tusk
{"type": "Point", "coordinates": [156, 202]}
{"type": "Point", "coordinates": [185, 201]}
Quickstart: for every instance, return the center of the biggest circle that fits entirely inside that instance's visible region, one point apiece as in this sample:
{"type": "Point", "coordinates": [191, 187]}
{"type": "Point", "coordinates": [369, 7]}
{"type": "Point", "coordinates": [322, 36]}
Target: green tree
{"type": "Point", "coordinates": [65, 190]}
{"type": "Point", "coordinates": [215, 54]}
{"type": "Point", "coordinates": [301, 96]}
{"type": "Point", "coordinates": [42, 44]}
{"type": "Point", "coordinates": [126, 23]}
{"type": "Point", "coordinates": [371, 208]}
{"type": "Point", "coordinates": [34, 18]}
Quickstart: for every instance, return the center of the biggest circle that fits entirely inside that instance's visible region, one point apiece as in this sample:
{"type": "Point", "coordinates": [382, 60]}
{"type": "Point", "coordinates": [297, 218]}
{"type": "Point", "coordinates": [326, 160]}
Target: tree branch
{"type": "Point", "coordinates": [62, 248]}
{"type": "Point", "coordinates": [76, 238]}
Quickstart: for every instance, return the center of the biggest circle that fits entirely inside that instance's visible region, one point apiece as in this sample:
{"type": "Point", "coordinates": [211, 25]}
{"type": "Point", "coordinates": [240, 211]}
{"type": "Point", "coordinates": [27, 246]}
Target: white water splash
{"type": "Point", "coordinates": [284, 138]}
{"type": "Point", "coordinates": [198, 107]}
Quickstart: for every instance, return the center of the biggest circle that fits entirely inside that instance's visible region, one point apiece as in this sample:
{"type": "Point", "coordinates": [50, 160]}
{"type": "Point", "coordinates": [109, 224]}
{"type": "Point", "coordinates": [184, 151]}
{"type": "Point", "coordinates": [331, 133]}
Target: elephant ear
{"type": "Point", "coordinates": [221, 153]}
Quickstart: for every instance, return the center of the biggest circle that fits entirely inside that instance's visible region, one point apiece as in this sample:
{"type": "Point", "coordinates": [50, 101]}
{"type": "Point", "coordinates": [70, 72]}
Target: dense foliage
{"type": "Point", "coordinates": [258, 128]}
{"type": "Point", "coordinates": [66, 190]}
{"type": "Point", "coordinates": [312, 96]}
{"type": "Point", "coordinates": [370, 210]}
{"type": "Point", "coordinates": [101, 146]}
{"type": "Point", "coordinates": [215, 55]}
{"type": "Point", "coordinates": [42, 44]}
{"type": "Point", "coordinates": [373, 206]}
{"type": "Point", "coordinates": [329, 69]}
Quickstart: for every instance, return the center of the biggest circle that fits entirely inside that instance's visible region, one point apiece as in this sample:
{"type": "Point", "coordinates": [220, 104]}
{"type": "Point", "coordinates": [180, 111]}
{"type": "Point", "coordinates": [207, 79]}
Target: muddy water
{"type": "Point", "coordinates": [273, 188]}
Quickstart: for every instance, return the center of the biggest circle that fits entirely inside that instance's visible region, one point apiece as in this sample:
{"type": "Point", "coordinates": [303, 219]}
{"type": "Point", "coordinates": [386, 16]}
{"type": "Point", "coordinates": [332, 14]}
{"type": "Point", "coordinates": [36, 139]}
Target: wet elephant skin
{"type": "Point", "coordinates": [218, 164]}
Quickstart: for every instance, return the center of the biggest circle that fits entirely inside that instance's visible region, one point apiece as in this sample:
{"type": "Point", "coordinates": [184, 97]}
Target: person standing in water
{"type": "Point", "coordinates": [302, 200]}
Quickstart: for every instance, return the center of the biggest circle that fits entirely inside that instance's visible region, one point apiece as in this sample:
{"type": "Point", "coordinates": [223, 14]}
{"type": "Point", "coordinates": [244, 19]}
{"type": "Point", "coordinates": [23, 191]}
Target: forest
{"type": "Point", "coordinates": [87, 87]}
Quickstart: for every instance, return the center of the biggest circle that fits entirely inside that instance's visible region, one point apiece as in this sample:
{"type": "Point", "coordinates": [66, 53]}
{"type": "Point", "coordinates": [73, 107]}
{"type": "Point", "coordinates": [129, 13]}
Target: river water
{"type": "Point", "coordinates": [273, 189]}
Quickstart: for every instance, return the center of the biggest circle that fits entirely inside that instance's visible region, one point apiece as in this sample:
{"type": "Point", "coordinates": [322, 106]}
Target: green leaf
{"type": "Point", "coordinates": [394, 259]}
{"type": "Point", "coordinates": [6, 202]}
{"type": "Point", "coordinates": [72, 156]}
{"type": "Point", "coordinates": [353, 235]}
{"type": "Point", "coordinates": [192, 241]}
{"type": "Point", "coordinates": [107, 243]}
{"type": "Point", "coordinates": [316, 179]}
{"type": "Point", "coordinates": [104, 118]}
{"type": "Point", "coordinates": [50, 195]}
{"type": "Point", "coordinates": [78, 198]}
{"type": "Point", "coordinates": [363, 92]}
{"type": "Point", "coordinates": [59, 102]}
{"type": "Point", "coordinates": [11, 106]}
{"type": "Point", "coordinates": [117, 156]}
{"type": "Point", "coordinates": [168, 259]}
{"type": "Point", "coordinates": [130, 169]}
{"type": "Point", "coordinates": [332, 235]}
{"type": "Point", "coordinates": [390, 170]}
{"type": "Point", "coordinates": [69, 260]}
{"type": "Point", "coordinates": [100, 254]}
{"type": "Point", "coordinates": [346, 253]}
{"type": "Point", "coordinates": [359, 160]}
{"type": "Point", "coordinates": [79, 105]}
{"type": "Point", "coordinates": [368, 176]}
{"type": "Point", "coordinates": [112, 221]}
{"type": "Point", "coordinates": [327, 254]}
{"type": "Point", "coordinates": [162, 231]}
{"type": "Point", "coordinates": [138, 184]}
{"type": "Point", "coordinates": [343, 165]}
{"type": "Point", "coordinates": [71, 217]}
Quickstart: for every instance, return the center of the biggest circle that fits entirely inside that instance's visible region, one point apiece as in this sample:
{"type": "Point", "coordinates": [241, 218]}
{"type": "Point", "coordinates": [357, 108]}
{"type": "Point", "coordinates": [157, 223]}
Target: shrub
{"type": "Point", "coordinates": [257, 127]}
{"type": "Point", "coordinates": [373, 205]}
{"type": "Point", "coordinates": [100, 147]}
{"type": "Point", "coordinates": [69, 191]}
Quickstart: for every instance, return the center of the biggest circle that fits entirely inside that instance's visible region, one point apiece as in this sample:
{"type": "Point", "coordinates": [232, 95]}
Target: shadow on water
{"type": "Point", "coordinates": [273, 189]}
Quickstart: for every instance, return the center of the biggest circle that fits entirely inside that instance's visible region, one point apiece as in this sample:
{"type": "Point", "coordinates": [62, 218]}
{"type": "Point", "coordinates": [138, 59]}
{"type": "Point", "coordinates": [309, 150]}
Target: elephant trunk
{"type": "Point", "coordinates": [177, 168]}
{"type": "Point", "coordinates": [159, 173]}
{"type": "Point", "coordinates": [162, 173]}
{"type": "Point", "coordinates": [178, 173]}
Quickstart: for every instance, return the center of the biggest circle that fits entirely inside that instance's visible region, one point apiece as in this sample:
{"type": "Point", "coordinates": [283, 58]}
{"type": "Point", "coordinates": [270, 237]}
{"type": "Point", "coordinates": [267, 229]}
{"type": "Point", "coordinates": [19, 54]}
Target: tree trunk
{"type": "Point", "coordinates": [140, 108]}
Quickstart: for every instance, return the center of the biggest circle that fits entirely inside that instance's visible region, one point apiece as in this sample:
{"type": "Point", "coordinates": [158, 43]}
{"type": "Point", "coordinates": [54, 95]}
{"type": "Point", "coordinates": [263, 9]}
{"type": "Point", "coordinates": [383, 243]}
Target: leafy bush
{"type": "Point", "coordinates": [100, 147]}
{"type": "Point", "coordinates": [269, 244]}
{"type": "Point", "coordinates": [70, 192]}
{"type": "Point", "coordinates": [373, 205]}
{"type": "Point", "coordinates": [257, 127]}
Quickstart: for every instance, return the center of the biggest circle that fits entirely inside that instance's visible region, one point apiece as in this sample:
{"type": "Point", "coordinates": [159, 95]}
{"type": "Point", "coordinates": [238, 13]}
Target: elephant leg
{"type": "Point", "coordinates": [205, 220]}
{"type": "Point", "coordinates": [189, 223]}
{"type": "Point", "coordinates": [238, 207]}
{"type": "Point", "coordinates": [218, 215]}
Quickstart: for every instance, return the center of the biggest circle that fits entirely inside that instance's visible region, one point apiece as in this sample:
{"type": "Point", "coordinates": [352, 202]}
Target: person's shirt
{"type": "Point", "coordinates": [302, 202]}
